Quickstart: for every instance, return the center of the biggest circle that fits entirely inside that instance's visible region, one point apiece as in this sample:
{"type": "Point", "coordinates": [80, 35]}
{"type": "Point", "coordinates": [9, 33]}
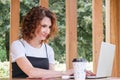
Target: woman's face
{"type": "Point", "coordinates": [43, 30]}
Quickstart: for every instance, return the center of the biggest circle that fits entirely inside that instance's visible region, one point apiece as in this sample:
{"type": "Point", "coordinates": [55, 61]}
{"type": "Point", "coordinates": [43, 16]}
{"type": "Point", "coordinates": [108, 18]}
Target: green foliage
{"type": "Point", "coordinates": [85, 29]}
{"type": "Point", "coordinates": [4, 28]}
{"type": "Point", "coordinates": [58, 7]}
{"type": "Point", "coordinates": [2, 55]}
{"type": "Point", "coordinates": [26, 5]}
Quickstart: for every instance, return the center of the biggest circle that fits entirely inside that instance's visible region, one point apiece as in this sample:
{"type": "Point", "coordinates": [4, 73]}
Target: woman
{"type": "Point", "coordinates": [31, 55]}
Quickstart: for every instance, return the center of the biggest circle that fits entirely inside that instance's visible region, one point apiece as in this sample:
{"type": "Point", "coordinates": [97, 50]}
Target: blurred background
{"type": "Point", "coordinates": [84, 31]}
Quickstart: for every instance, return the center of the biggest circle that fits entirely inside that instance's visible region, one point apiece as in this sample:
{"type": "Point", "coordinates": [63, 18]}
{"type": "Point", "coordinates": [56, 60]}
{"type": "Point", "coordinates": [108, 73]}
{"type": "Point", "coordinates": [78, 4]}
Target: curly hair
{"type": "Point", "coordinates": [33, 19]}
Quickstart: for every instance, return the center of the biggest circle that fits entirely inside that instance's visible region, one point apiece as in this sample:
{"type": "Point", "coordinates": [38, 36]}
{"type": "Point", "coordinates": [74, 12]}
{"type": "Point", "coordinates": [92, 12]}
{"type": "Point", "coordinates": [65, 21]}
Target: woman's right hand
{"type": "Point", "coordinates": [69, 72]}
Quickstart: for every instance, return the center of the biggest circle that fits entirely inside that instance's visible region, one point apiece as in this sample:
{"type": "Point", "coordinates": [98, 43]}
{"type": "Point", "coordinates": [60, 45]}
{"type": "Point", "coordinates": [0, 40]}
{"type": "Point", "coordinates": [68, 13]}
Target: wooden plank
{"type": "Point", "coordinates": [71, 31]}
{"type": "Point", "coordinates": [112, 31]}
{"type": "Point", "coordinates": [97, 30]}
{"type": "Point", "coordinates": [14, 24]}
{"type": "Point", "coordinates": [119, 41]}
{"type": "Point", "coordinates": [44, 3]}
{"type": "Point", "coordinates": [14, 20]}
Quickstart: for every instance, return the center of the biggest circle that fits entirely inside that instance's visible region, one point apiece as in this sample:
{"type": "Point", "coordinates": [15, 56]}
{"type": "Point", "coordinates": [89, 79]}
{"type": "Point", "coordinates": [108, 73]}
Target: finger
{"type": "Point", "coordinates": [90, 73]}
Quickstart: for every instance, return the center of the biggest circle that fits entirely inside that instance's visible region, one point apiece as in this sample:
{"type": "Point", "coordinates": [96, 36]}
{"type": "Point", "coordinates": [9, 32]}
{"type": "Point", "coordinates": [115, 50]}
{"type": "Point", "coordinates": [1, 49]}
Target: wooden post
{"type": "Point", "coordinates": [14, 24]}
{"type": "Point", "coordinates": [14, 20]}
{"type": "Point", "coordinates": [44, 3]}
{"type": "Point", "coordinates": [113, 31]}
{"type": "Point", "coordinates": [71, 31]}
{"type": "Point", "coordinates": [97, 30]}
{"type": "Point", "coordinates": [119, 41]}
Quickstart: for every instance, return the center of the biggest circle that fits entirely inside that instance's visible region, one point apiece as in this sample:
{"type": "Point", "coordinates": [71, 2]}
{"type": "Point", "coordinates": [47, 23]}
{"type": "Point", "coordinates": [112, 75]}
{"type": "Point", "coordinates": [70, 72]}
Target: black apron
{"type": "Point", "coordinates": [42, 63]}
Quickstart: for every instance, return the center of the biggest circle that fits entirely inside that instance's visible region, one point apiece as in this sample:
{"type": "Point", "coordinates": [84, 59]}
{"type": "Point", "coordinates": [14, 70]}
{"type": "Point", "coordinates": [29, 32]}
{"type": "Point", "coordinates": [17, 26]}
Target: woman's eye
{"type": "Point", "coordinates": [43, 25]}
{"type": "Point", "coordinates": [50, 27]}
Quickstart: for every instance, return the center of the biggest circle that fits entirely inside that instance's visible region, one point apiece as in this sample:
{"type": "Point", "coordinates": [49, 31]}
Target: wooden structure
{"type": "Point", "coordinates": [97, 27]}
{"type": "Point", "coordinates": [112, 28]}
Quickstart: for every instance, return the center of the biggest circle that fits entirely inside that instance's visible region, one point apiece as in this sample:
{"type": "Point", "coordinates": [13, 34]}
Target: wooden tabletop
{"type": "Point", "coordinates": [67, 79]}
{"type": "Point", "coordinates": [58, 79]}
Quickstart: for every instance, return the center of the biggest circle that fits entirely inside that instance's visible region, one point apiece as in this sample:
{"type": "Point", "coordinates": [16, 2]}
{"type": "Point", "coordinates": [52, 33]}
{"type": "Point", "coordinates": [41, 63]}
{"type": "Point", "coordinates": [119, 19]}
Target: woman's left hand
{"type": "Point", "coordinates": [89, 73]}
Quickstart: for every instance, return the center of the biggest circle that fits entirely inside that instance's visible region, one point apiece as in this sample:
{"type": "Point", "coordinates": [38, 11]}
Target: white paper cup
{"type": "Point", "coordinates": [79, 66]}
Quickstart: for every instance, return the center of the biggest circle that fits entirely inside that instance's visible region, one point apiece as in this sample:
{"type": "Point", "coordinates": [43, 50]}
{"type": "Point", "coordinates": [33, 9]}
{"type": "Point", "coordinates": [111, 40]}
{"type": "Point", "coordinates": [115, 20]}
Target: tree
{"type": "Point", "coordinates": [58, 7]}
{"type": "Point", "coordinates": [85, 29]}
{"type": "Point", "coordinates": [4, 28]}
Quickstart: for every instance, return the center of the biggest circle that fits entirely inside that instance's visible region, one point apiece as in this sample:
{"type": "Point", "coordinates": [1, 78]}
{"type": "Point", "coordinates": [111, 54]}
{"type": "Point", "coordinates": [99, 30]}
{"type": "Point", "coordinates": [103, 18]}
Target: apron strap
{"type": "Point", "coordinates": [46, 50]}
{"type": "Point", "coordinates": [23, 46]}
{"type": "Point", "coordinates": [22, 43]}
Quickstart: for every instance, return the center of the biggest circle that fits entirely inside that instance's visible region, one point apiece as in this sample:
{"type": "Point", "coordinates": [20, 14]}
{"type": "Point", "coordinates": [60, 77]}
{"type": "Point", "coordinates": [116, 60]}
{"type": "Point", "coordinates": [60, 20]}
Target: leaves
{"type": "Point", "coordinates": [85, 29]}
{"type": "Point", "coordinates": [4, 27]}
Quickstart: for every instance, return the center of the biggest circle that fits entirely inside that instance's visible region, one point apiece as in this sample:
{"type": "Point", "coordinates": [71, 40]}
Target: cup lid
{"type": "Point", "coordinates": [79, 60]}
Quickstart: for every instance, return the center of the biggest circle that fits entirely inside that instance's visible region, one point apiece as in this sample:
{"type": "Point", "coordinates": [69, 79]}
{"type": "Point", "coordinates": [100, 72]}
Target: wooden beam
{"type": "Point", "coordinates": [44, 3]}
{"type": "Point", "coordinates": [14, 24]}
{"type": "Point", "coordinates": [119, 41]}
{"type": "Point", "coordinates": [97, 30]}
{"type": "Point", "coordinates": [113, 31]}
{"type": "Point", "coordinates": [14, 20]}
{"type": "Point", "coordinates": [71, 31]}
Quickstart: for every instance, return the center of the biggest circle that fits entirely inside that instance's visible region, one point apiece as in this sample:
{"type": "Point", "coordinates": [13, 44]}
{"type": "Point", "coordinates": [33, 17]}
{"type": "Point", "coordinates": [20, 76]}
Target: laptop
{"type": "Point", "coordinates": [105, 62]}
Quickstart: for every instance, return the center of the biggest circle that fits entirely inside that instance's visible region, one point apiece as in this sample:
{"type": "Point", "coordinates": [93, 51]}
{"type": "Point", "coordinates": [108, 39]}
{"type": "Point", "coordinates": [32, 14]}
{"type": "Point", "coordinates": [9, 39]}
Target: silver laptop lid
{"type": "Point", "coordinates": [105, 61]}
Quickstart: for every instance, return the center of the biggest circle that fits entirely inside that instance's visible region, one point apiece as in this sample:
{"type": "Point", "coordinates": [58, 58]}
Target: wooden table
{"type": "Point", "coordinates": [58, 79]}
{"type": "Point", "coordinates": [68, 79]}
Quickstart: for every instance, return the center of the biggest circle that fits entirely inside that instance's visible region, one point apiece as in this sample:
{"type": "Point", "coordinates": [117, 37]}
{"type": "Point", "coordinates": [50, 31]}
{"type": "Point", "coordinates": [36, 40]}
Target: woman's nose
{"type": "Point", "coordinates": [47, 30]}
